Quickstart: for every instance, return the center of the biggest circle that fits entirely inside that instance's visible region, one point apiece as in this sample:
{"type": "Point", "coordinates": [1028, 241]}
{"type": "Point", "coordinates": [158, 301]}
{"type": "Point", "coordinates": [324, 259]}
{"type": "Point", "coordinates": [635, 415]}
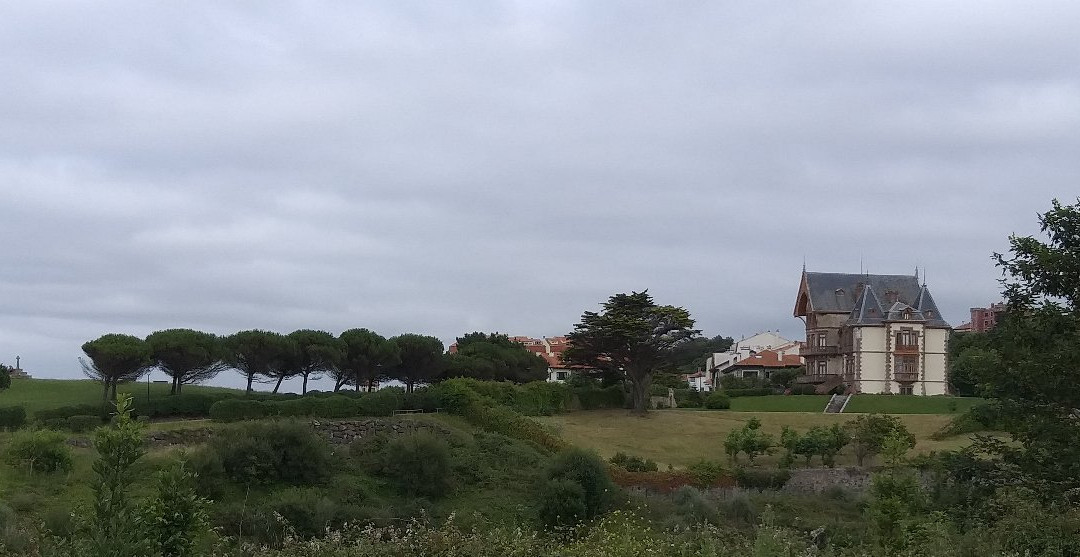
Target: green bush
{"type": "Point", "coordinates": [419, 463]}
{"type": "Point", "coordinates": [82, 424]}
{"type": "Point", "coordinates": [265, 453]}
{"type": "Point", "coordinates": [632, 463]}
{"type": "Point", "coordinates": [337, 406]}
{"type": "Point", "coordinates": [562, 503]}
{"type": "Point", "coordinates": [707, 473]}
{"type": "Point", "coordinates": [755, 478]}
{"type": "Point", "coordinates": [689, 398]}
{"type": "Point", "coordinates": [12, 417]}
{"type": "Point", "coordinates": [236, 409]}
{"type": "Point", "coordinates": [60, 413]}
{"type": "Point", "coordinates": [308, 511]}
{"type": "Point", "coordinates": [717, 401]}
{"type": "Point", "coordinates": [735, 393]}
{"type": "Point", "coordinates": [803, 389]}
{"type": "Point", "coordinates": [592, 398]}
{"type": "Point", "coordinates": [383, 402]}
{"type": "Point", "coordinates": [183, 405]}
{"type": "Point", "coordinates": [39, 451]}
{"type": "Point", "coordinates": [588, 471]}
{"type": "Point", "coordinates": [541, 398]}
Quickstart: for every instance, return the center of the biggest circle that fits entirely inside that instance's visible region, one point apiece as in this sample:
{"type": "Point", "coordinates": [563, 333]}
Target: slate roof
{"type": "Point", "coordinates": [872, 299]}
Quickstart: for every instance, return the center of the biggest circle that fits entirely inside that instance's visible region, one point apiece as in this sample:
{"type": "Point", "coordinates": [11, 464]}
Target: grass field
{"type": "Point", "coordinates": [40, 394]}
{"type": "Point", "coordinates": [681, 437]}
{"type": "Point", "coordinates": [860, 404]}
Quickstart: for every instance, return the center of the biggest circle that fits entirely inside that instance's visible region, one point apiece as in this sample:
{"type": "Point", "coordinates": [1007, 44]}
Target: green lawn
{"type": "Point", "coordinates": [40, 394]}
{"type": "Point", "coordinates": [860, 404]}
{"type": "Point", "coordinates": [681, 437]}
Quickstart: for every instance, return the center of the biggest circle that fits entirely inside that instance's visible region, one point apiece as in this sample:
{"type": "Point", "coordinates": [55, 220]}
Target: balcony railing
{"type": "Point", "coordinates": [811, 350]}
{"type": "Point", "coordinates": [906, 349]}
{"type": "Point", "coordinates": [815, 379]}
{"type": "Point", "coordinates": [906, 376]}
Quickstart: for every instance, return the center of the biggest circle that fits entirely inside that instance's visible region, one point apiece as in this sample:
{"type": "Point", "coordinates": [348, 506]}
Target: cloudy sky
{"type": "Point", "coordinates": [503, 166]}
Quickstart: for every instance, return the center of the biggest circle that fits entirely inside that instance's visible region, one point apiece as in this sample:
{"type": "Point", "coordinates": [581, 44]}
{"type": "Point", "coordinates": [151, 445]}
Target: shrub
{"type": "Point", "coordinates": [61, 413]}
{"type": "Point", "coordinates": [183, 405]}
{"type": "Point", "coordinates": [383, 402]}
{"type": "Point", "coordinates": [540, 398]}
{"type": "Point", "coordinates": [632, 463]}
{"type": "Point", "coordinates": [39, 451]}
{"type": "Point", "coordinates": [689, 398]}
{"type": "Point", "coordinates": [692, 507]}
{"type": "Point", "coordinates": [562, 503]}
{"type": "Point", "coordinates": [586, 470]}
{"type": "Point", "coordinates": [236, 409]}
{"type": "Point", "coordinates": [336, 406]}
{"type": "Point", "coordinates": [295, 408]}
{"type": "Point", "coordinates": [735, 393]}
{"type": "Point", "coordinates": [752, 478]}
{"type": "Point", "coordinates": [308, 511]}
{"type": "Point", "coordinates": [707, 473]}
{"type": "Point", "coordinates": [419, 463]}
{"type": "Point", "coordinates": [749, 440]}
{"type": "Point", "coordinates": [82, 424]}
{"type": "Point", "coordinates": [499, 419]}
{"type": "Point", "coordinates": [264, 453]}
{"type": "Point", "coordinates": [717, 401]}
{"type": "Point", "coordinates": [592, 398]}
{"type": "Point", "coordinates": [804, 389]}
{"type": "Point", "coordinates": [12, 417]}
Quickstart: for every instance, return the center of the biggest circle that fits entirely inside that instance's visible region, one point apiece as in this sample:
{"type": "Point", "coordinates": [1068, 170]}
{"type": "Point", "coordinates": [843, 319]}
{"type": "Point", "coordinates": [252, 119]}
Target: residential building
{"type": "Point", "coordinates": [761, 365]}
{"type": "Point", "coordinates": [872, 334]}
{"type": "Point", "coordinates": [983, 319]}
{"type": "Point", "coordinates": [721, 363]}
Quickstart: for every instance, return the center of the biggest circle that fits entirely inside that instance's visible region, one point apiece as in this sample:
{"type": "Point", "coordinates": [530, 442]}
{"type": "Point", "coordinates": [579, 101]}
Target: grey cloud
{"type": "Point", "coordinates": [507, 165]}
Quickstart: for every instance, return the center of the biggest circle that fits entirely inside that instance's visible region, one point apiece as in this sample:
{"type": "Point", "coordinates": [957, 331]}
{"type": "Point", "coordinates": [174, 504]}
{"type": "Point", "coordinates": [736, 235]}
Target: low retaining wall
{"type": "Point", "coordinates": [341, 432]}
{"type": "Point", "coordinates": [817, 480]}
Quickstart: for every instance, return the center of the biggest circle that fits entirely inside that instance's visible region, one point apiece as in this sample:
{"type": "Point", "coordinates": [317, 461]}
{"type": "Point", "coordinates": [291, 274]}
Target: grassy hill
{"type": "Point", "coordinates": [40, 394]}
{"type": "Point", "coordinates": [681, 437]}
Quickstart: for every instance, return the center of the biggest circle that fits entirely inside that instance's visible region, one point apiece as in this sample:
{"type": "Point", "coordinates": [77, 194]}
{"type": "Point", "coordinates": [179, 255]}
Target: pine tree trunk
{"type": "Point", "coordinates": [278, 385]}
{"type": "Point", "coordinates": [304, 390]}
{"type": "Point", "coordinates": [250, 378]}
{"type": "Point", "coordinates": [640, 383]}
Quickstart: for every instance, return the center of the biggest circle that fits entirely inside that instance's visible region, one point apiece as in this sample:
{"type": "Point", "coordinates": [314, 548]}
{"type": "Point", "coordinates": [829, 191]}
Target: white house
{"type": "Point", "coordinates": [720, 363]}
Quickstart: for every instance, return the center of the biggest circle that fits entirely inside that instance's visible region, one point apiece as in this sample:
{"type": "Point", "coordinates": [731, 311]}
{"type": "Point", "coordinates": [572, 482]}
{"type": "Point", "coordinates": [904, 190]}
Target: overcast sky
{"type": "Point", "coordinates": [441, 168]}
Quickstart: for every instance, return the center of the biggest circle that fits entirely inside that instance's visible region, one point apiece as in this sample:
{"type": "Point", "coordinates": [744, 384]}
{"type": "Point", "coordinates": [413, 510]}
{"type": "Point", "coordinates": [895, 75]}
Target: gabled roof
{"type": "Point", "coordinates": [868, 299]}
{"type": "Point", "coordinates": [867, 310]}
{"type": "Point", "coordinates": [768, 358]}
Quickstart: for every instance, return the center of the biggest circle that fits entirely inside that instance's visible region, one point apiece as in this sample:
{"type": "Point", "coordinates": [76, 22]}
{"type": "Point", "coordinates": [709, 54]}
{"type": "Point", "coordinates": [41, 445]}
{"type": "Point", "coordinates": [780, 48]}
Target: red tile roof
{"type": "Point", "coordinates": [769, 358]}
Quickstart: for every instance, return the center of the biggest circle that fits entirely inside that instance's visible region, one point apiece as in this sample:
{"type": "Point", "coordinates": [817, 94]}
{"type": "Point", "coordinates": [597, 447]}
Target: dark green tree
{"type": "Point", "coordinates": [368, 358]}
{"type": "Point", "coordinates": [187, 356]}
{"type": "Point", "coordinates": [690, 356]}
{"type": "Point", "coordinates": [5, 377]}
{"type": "Point", "coordinates": [114, 359]}
{"type": "Point", "coordinates": [1034, 370]}
{"type": "Point", "coordinates": [316, 352]}
{"type": "Point", "coordinates": [422, 359]}
{"type": "Point", "coordinates": [258, 355]}
{"type": "Point", "coordinates": [966, 350]}
{"type": "Point", "coordinates": [632, 336]}
{"type": "Point", "coordinates": [494, 357]}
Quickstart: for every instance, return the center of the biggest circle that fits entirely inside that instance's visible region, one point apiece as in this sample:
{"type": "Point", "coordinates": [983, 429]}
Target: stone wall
{"type": "Point", "coordinates": [345, 431]}
{"type": "Point", "coordinates": [817, 480]}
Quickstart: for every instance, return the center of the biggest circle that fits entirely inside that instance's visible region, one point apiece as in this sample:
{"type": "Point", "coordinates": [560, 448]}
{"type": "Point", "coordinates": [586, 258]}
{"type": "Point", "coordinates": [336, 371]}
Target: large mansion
{"type": "Point", "coordinates": [872, 333]}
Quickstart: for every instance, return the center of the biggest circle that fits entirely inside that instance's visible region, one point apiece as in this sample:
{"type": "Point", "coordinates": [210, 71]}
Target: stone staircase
{"type": "Point", "coordinates": [837, 404]}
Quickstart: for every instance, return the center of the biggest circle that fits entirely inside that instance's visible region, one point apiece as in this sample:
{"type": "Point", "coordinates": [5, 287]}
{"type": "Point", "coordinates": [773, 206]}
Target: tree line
{"type": "Point", "coordinates": [357, 358]}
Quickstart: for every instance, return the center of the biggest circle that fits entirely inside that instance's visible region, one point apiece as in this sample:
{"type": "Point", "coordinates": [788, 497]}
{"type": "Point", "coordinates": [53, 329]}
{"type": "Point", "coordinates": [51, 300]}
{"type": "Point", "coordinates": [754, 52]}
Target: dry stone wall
{"type": "Point", "coordinates": [346, 431]}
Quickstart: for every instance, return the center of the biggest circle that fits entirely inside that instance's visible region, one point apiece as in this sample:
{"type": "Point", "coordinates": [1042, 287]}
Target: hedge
{"type": "Point", "coordinates": [326, 405]}
{"type": "Point", "coordinates": [82, 424]}
{"type": "Point", "coordinates": [594, 399]}
{"type": "Point", "coordinates": [717, 401]}
{"type": "Point", "coordinates": [12, 417]}
{"type": "Point", "coordinates": [735, 393]}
